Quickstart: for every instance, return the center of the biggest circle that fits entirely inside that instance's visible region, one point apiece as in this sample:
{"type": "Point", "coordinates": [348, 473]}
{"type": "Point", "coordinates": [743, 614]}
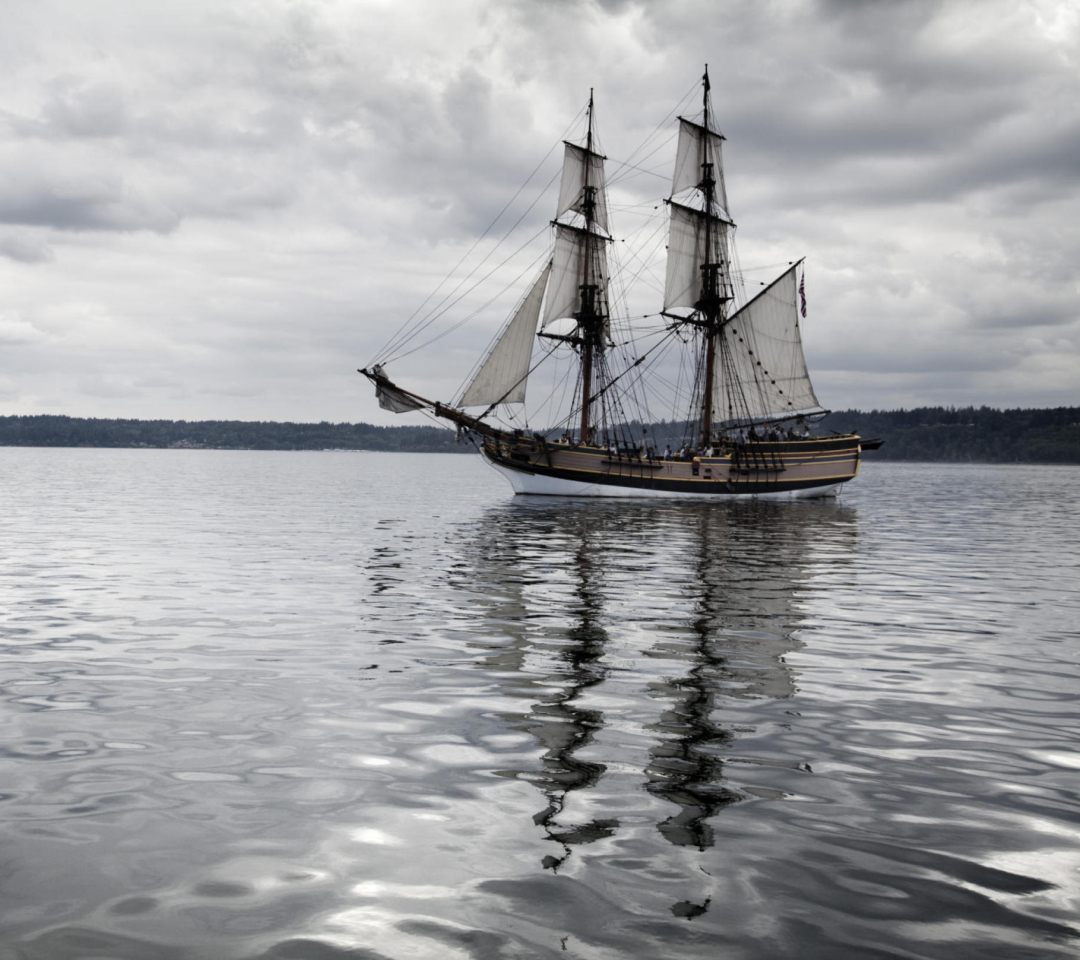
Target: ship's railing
{"type": "Point", "coordinates": [747, 458]}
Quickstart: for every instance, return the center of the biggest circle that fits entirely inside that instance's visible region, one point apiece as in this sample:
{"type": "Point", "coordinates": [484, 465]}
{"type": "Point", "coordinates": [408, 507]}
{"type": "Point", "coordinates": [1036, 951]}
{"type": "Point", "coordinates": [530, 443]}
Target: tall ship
{"type": "Point", "coordinates": [726, 367]}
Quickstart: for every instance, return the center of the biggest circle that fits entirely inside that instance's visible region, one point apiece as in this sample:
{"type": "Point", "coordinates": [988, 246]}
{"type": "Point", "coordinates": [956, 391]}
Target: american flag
{"type": "Point", "coordinates": [802, 295]}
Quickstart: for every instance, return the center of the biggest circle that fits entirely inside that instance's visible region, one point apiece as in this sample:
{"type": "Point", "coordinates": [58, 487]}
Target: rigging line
{"type": "Point", "coordinates": [643, 402]}
{"type": "Point", "coordinates": [617, 177]}
{"type": "Point", "coordinates": [549, 402]}
{"type": "Point", "coordinates": [645, 276]}
{"type": "Point", "coordinates": [506, 206]}
{"type": "Point", "coordinates": [568, 386]}
{"type": "Point", "coordinates": [388, 348]}
{"type": "Point", "coordinates": [656, 212]}
{"type": "Point", "coordinates": [650, 244]}
{"type": "Point", "coordinates": [643, 216]}
{"type": "Point", "coordinates": [674, 112]}
{"type": "Point", "coordinates": [680, 398]}
{"type": "Point", "coordinates": [632, 366]}
{"type": "Point", "coordinates": [630, 163]}
{"type": "Point", "coordinates": [403, 336]}
{"type": "Point", "coordinates": [464, 294]}
{"type": "Point", "coordinates": [769, 266]}
{"type": "Point", "coordinates": [652, 366]}
{"type": "Point", "coordinates": [437, 310]}
{"type": "Point", "coordinates": [651, 203]}
{"type": "Point", "coordinates": [738, 279]}
{"type": "Point", "coordinates": [400, 339]}
{"type": "Point", "coordinates": [653, 225]}
{"type": "Point", "coordinates": [646, 264]}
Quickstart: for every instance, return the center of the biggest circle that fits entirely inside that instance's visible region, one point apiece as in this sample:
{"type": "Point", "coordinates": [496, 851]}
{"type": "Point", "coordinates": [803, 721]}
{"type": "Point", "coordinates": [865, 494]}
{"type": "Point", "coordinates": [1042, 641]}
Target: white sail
{"type": "Point", "coordinates": [502, 377]}
{"type": "Point", "coordinates": [761, 359]}
{"type": "Point", "coordinates": [580, 165]}
{"type": "Point", "coordinates": [686, 254]}
{"type": "Point", "coordinates": [568, 270]}
{"type": "Point", "coordinates": [697, 146]}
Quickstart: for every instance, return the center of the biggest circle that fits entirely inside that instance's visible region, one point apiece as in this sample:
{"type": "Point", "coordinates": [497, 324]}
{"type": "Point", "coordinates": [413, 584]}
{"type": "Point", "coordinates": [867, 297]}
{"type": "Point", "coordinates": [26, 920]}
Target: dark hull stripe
{"type": "Point", "coordinates": [770, 481]}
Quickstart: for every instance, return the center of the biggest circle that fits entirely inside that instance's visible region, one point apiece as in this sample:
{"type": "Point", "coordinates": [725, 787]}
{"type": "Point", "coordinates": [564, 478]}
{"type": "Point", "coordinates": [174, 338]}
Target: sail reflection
{"type": "Point", "coordinates": [706, 597]}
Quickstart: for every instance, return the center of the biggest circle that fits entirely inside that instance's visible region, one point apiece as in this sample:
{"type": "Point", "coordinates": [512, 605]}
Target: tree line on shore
{"type": "Point", "coordinates": [59, 431]}
{"type": "Point", "coordinates": [966, 434]}
{"type": "Point", "coordinates": [939, 434]}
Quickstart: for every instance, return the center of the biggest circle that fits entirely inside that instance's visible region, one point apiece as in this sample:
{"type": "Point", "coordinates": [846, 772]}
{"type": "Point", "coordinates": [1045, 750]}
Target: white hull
{"type": "Point", "coordinates": [539, 485]}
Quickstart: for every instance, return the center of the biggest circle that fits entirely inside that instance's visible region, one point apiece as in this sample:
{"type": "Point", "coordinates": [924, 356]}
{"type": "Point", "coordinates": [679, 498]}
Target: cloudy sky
{"type": "Point", "coordinates": [220, 209]}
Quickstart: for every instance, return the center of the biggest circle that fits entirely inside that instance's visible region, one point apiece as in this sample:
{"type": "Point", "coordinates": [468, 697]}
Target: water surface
{"type": "Point", "coordinates": [318, 705]}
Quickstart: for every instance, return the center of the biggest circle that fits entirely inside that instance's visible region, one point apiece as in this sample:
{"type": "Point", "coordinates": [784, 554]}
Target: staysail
{"type": "Point", "coordinates": [502, 377]}
{"type": "Point", "coordinates": [763, 372]}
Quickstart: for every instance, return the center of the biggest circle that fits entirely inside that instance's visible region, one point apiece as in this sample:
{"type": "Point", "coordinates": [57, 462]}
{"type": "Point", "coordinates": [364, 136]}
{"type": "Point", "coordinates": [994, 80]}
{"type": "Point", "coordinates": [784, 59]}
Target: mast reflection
{"type": "Point", "coordinates": [683, 769]}
{"type": "Point", "coordinates": [561, 723]}
{"type": "Point", "coordinates": [556, 645]}
{"type": "Point", "coordinates": [723, 581]}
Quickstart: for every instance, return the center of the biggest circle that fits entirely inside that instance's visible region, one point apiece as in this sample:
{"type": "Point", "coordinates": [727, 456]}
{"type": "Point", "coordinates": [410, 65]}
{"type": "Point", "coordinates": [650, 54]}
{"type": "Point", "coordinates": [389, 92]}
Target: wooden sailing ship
{"type": "Point", "coordinates": [749, 404]}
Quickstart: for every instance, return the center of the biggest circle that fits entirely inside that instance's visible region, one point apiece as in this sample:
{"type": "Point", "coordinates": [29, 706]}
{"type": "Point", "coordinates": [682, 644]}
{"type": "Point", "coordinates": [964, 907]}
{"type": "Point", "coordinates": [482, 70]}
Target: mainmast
{"type": "Point", "coordinates": [712, 300]}
{"type": "Point", "coordinates": [589, 319]}
{"type": "Point", "coordinates": [697, 251]}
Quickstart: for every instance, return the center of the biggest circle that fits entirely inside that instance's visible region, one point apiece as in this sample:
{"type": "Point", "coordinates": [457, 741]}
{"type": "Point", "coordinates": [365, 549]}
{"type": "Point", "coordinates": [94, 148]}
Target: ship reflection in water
{"type": "Point", "coordinates": [600, 613]}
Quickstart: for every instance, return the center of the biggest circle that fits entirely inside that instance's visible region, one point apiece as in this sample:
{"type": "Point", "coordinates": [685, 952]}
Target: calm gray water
{"type": "Point", "coordinates": [315, 705]}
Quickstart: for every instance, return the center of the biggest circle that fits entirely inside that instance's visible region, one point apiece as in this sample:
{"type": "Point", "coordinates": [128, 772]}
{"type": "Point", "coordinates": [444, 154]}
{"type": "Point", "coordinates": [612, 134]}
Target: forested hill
{"type": "Point", "coordinates": [50, 431]}
{"type": "Point", "coordinates": [926, 433]}
{"type": "Point", "coordinates": [967, 434]}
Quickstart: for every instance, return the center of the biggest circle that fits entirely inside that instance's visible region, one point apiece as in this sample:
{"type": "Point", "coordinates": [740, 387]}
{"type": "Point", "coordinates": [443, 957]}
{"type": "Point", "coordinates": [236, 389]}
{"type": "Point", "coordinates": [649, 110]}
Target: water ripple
{"type": "Point", "coordinates": [322, 705]}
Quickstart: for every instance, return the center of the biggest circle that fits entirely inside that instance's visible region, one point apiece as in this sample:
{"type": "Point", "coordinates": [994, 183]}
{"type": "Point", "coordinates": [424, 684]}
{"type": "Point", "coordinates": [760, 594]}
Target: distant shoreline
{"type": "Point", "coordinates": [922, 434]}
{"type": "Point", "coordinates": [62, 431]}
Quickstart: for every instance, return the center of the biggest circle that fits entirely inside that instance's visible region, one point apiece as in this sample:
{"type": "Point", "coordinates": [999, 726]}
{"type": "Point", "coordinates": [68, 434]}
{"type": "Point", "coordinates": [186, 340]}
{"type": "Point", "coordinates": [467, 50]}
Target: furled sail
{"type": "Point", "coordinates": [568, 268]}
{"type": "Point", "coordinates": [502, 377]}
{"type": "Point", "coordinates": [581, 167]}
{"type": "Point", "coordinates": [390, 397]}
{"type": "Point", "coordinates": [763, 370]}
{"type": "Point", "coordinates": [687, 252]}
{"type": "Point", "coordinates": [698, 145]}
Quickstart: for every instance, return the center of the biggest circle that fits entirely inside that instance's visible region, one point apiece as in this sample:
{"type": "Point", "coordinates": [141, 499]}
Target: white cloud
{"type": "Point", "coordinates": [16, 332]}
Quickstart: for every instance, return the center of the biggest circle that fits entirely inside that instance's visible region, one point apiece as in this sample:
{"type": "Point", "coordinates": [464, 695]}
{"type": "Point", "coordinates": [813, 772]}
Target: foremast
{"type": "Point", "coordinates": [578, 287]}
{"type": "Point", "coordinates": [589, 316]}
{"type": "Point", "coordinates": [572, 284]}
